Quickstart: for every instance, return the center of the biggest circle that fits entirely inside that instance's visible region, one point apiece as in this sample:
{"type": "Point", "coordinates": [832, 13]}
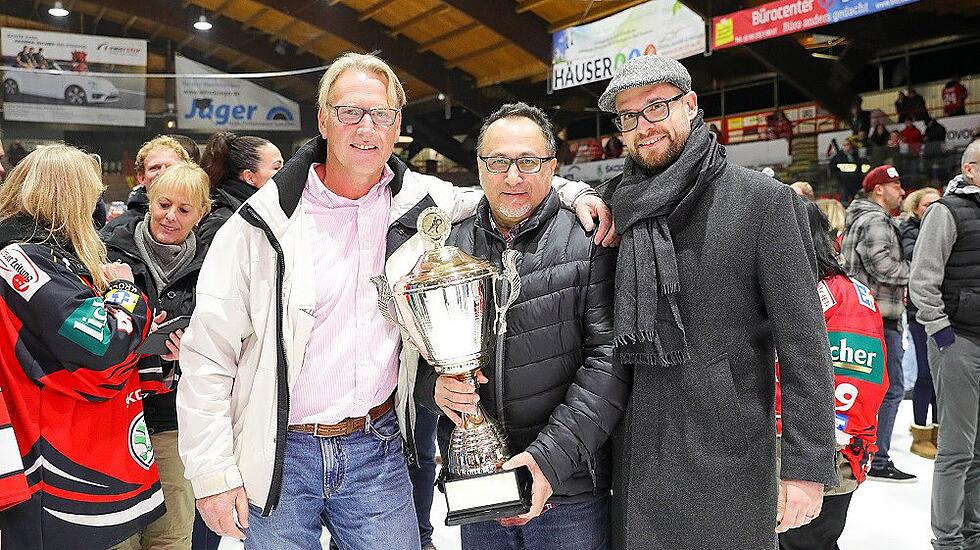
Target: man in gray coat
{"type": "Point", "coordinates": [945, 286]}
{"type": "Point", "coordinates": [715, 269]}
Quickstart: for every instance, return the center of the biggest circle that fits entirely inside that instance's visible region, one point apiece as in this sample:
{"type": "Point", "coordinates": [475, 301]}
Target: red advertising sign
{"type": "Point", "coordinates": [784, 17]}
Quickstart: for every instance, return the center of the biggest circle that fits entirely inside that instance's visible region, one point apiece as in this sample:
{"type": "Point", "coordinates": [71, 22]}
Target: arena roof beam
{"type": "Point", "coordinates": [526, 30]}
{"type": "Point", "coordinates": [343, 22]}
{"type": "Point", "coordinates": [374, 9]}
{"type": "Point", "coordinates": [429, 44]}
{"type": "Point", "coordinates": [224, 32]}
{"type": "Point", "coordinates": [528, 6]}
{"type": "Point", "coordinates": [99, 16]}
{"type": "Point", "coordinates": [250, 22]}
{"type": "Point", "coordinates": [598, 10]}
{"type": "Point", "coordinates": [469, 56]}
{"type": "Point", "coordinates": [418, 19]}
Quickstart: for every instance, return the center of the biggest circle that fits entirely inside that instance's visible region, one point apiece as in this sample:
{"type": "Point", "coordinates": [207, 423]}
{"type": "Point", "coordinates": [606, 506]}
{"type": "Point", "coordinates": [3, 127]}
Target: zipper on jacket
{"type": "Point", "coordinates": [499, 368]}
{"type": "Point", "coordinates": [595, 483]}
{"type": "Point", "coordinates": [282, 376]}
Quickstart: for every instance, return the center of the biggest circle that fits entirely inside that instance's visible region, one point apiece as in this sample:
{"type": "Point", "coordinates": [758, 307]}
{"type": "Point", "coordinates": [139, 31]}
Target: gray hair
{"type": "Point", "coordinates": [972, 153]}
{"type": "Point", "coordinates": [521, 109]}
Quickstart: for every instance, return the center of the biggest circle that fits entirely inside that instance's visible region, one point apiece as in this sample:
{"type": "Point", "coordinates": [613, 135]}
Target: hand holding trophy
{"type": "Point", "coordinates": [453, 308]}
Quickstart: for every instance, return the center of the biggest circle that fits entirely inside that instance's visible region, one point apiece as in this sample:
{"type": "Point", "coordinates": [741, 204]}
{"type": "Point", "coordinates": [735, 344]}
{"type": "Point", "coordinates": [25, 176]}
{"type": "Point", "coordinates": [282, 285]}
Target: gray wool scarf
{"type": "Point", "coordinates": [163, 260]}
{"type": "Point", "coordinates": [648, 326]}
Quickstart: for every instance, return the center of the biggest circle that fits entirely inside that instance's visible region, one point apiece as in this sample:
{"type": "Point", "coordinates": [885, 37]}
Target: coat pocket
{"type": "Point", "coordinates": [726, 414]}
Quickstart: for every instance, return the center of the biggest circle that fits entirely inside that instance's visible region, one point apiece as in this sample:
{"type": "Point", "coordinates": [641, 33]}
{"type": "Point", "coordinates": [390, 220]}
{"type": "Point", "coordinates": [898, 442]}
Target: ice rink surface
{"type": "Point", "coordinates": [893, 516]}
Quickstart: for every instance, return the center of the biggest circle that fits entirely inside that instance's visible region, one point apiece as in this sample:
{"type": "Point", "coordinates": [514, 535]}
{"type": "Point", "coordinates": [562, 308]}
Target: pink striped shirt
{"type": "Point", "coordinates": [352, 357]}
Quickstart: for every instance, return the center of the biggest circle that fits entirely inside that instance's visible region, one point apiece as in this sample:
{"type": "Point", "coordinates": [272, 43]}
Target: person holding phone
{"type": "Point", "coordinates": [166, 257]}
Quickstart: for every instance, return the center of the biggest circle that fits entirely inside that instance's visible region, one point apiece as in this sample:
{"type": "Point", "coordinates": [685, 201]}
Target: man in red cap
{"type": "Point", "coordinates": [872, 252]}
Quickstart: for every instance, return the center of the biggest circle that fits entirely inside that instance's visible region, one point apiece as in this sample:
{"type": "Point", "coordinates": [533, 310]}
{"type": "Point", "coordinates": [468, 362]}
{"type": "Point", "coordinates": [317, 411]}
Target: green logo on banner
{"type": "Point", "coordinates": [87, 327]}
{"type": "Point", "coordinates": [857, 356]}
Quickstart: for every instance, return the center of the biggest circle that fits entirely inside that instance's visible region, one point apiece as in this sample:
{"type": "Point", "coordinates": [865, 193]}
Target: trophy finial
{"type": "Point", "coordinates": [434, 225]}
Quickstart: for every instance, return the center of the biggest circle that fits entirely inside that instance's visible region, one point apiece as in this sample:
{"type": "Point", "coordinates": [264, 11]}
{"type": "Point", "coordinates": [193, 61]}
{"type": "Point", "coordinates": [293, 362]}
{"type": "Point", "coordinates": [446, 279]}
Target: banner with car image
{"type": "Point", "coordinates": [73, 78]}
{"type": "Point", "coordinates": [234, 104]}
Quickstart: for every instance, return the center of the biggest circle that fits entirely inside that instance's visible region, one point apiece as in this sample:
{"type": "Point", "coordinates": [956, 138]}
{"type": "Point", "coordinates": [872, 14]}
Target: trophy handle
{"type": "Point", "coordinates": [386, 298]}
{"type": "Point", "coordinates": [513, 289]}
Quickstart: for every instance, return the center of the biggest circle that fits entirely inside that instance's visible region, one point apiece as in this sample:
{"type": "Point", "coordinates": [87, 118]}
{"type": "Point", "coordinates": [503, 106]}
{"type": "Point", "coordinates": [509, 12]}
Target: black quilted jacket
{"type": "Point", "coordinates": [562, 394]}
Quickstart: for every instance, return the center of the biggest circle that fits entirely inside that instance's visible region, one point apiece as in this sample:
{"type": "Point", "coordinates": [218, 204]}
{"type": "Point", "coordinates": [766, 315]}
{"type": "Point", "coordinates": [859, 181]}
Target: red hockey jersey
{"type": "Point", "coordinates": [69, 380]}
{"type": "Point", "coordinates": [857, 346]}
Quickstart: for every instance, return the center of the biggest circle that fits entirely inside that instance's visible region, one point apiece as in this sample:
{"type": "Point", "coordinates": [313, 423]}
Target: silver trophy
{"type": "Point", "coordinates": [453, 307]}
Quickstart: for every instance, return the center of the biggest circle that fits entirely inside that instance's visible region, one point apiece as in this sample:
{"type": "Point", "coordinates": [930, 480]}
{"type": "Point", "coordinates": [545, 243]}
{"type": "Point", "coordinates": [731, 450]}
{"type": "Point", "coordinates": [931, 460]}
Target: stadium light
{"type": "Point", "coordinates": [202, 23]}
{"type": "Point", "coordinates": [58, 10]}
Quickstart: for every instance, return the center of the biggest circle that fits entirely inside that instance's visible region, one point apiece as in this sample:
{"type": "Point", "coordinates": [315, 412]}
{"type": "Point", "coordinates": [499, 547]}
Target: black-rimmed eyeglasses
{"type": "Point", "coordinates": [525, 165]}
{"type": "Point", "coordinates": [349, 114]}
{"type": "Point", "coordinates": [654, 112]}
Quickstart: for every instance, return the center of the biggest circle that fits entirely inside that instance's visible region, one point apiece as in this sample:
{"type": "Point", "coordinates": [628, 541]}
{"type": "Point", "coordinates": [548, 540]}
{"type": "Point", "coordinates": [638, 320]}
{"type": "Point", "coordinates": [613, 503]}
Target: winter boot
{"type": "Point", "coordinates": [922, 444]}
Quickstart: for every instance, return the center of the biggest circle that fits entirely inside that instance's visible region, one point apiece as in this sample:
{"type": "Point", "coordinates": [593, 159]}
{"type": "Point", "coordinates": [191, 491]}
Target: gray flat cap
{"type": "Point", "coordinates": [645, 70]}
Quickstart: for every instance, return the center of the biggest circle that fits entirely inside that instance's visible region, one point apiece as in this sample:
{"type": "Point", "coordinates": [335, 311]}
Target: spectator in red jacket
{"type": "Point", "coordinates": [857, 344]}
{"type": "Point", "coordinates": [954, 97]}
{"type": "Point", "coordinates": [912, 136]}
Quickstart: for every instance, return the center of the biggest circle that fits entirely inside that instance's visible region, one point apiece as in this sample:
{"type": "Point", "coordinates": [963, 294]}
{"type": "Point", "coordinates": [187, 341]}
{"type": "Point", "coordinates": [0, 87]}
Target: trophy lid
{"type": "Point", "coordinates": [443, 265]}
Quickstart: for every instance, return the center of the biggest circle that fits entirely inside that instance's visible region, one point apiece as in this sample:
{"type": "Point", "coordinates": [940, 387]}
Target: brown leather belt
{"type": "Point", "coordinates": [348, 425]}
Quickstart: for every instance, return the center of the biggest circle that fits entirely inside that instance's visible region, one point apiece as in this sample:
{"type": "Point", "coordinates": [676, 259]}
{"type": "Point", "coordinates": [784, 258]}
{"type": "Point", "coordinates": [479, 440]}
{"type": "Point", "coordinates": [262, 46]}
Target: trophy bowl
{"type": "Point", "coordinates": [446, 306]}
{"type": "Point", "coordinates": [451, 308]}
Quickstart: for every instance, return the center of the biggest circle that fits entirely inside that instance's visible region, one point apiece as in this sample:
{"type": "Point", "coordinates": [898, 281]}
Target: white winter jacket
{"type": "Point", "coordinates": [247, 339]}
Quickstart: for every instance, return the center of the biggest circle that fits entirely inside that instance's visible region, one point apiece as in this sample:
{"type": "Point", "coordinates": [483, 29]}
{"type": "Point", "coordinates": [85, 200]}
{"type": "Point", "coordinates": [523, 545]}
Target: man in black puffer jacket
{"type": "Point", "coordinates": [562, 396]}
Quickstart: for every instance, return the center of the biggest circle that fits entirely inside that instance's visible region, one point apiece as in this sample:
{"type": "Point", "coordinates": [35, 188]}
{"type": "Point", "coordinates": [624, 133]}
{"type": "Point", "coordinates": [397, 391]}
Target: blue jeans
{"type": "Point", "coordinates": [424, 475]}
{"type": "Point", "coordinates": [894, 395]}
{"type": "Point", "coordinates": [357, 486]}
{"type": "Point", "coordinates": [923, 393]}
{"type": "Point", "coordinates": [204, 538]}
{"type": "Point", "coordinates": [578, 526]}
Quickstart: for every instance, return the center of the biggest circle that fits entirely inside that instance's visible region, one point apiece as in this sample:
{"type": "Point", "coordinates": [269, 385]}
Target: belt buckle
{"type": "Point", "coordinates": [316, 429]}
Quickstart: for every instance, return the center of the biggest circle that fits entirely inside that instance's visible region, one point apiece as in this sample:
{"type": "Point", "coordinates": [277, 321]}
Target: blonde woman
{"type": "Point", "coordinates": [834, 210]}
{"type": "Point", "coordinates": [923, 393]}
{"type": "Point", "coordinates": [166, 256]}
{"type": "Point", "coordinates": [804, 189]}
{"type": "Point", "coordinates": [69, 325]}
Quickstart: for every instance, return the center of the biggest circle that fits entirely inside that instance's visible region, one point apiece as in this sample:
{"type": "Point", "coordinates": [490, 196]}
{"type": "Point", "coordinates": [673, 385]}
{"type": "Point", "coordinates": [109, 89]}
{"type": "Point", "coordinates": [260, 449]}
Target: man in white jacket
{"type": "Point", "coordinates": [296, 396]}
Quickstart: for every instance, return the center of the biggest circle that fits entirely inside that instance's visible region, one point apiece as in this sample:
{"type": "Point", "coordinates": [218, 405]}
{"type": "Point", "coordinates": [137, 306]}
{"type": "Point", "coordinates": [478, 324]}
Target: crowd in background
{"type": "Point", "coordinates": [182, 197]}
{"type": "Point", "coordinates": [116, 280]}
{"type": "Point", "coordinates": [917, 149]}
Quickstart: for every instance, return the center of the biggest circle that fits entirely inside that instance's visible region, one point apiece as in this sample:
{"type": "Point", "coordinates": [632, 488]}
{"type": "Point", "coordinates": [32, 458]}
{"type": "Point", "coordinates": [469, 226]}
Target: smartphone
{"type": "Point", "coordinates": [156, 341]}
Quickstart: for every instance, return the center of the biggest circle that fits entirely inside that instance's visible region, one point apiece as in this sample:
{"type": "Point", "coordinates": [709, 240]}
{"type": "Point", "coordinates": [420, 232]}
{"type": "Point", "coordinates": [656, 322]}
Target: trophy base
{"type": "Point", "coordinates": [486, 497]}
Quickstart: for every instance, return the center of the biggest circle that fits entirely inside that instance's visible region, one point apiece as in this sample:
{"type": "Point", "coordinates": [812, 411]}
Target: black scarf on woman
{"type": "Point", "coordinates": [648, 325]}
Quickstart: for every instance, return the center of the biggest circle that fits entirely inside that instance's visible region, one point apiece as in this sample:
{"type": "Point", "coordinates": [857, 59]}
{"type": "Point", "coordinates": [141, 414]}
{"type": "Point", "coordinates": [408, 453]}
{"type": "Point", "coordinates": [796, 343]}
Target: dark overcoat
{"type": "Point", "coordinates": [695, 461]}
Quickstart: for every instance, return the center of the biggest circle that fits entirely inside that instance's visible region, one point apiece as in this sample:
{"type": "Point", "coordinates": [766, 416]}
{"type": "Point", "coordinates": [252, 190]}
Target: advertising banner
{"type": "Point", "coordinates": [788, 16]}
{"type": "Point", "coordinates": [71, 78]}
{"type": "Point", "coordinates": [597, 51]}
{"type": "Point", "coordinates": [959, 134]}
{"type": "Point", "coordinates": [233, 104]}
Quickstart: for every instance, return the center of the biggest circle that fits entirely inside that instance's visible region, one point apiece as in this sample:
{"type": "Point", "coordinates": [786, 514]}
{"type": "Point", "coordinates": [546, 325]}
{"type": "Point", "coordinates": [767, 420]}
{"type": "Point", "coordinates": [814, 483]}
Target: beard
{"type": "Point", "coordinates": [516, 212]}
{"type": "Point", "coordinates": [660, 162]}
